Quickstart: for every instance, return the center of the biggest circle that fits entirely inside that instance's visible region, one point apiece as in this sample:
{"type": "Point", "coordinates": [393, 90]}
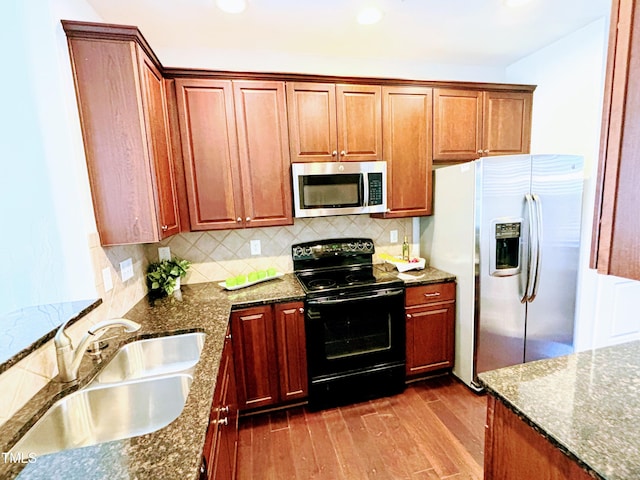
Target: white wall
{"type": "Point", "coordinates": [567, 111]}
{"type": "Point", "coordinates": [44, 191]}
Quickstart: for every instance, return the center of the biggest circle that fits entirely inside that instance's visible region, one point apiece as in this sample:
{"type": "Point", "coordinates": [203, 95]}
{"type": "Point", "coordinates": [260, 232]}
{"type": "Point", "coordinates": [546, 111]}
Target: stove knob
{"type": "Point", "coordinates": [307, 250]}
{"type": "Point", "coordinates": [368, 246]}
{"type": "Point", "coordinates": [297, 251]}
{"type": "Point", "coordinates": [360, 246]}
{"type": "Point", "coordinates": [352, 247]}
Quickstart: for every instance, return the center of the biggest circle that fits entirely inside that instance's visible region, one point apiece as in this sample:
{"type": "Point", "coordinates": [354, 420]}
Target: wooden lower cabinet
{"type": "Point", "coordinates": [513, 449]}
{"type": "Point", "coordinates": [221, 443]}
{"type": "Point", "coordinates": [431, 312]}
{"type": "Point", "coordinates": [270, 354]}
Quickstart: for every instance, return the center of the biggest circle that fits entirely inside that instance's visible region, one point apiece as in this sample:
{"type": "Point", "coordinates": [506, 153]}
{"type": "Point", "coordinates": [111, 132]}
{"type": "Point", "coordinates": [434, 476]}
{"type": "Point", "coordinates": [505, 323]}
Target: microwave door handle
{"type": "Point", "coordinates": [364, 190]}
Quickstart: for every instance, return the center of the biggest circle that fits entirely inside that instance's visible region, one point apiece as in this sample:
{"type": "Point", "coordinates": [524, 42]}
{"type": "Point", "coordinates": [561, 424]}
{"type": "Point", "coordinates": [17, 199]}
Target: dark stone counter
{"type": "Point", "coordinates": [587, 404]}
{"type": "Point", "coordinates": [173, 452]}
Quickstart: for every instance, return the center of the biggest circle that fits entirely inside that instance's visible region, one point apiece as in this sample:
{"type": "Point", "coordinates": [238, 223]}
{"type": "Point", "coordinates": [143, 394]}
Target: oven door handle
{"type": "Point", "coordinates": [358, 296]}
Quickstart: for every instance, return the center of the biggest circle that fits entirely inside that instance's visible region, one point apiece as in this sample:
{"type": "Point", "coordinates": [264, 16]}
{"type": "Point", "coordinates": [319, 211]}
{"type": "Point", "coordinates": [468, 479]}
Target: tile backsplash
{"type": "Point", "coordinates": [216, 255]}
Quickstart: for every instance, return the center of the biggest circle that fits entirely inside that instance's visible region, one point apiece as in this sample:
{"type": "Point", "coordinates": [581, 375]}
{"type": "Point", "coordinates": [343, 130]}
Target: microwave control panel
{"type": "Point", "coordinates": [375, 188]}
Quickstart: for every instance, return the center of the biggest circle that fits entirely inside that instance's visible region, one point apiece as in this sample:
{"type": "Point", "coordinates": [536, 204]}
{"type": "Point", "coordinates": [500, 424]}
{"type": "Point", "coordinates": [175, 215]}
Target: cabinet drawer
{"type": "Point", "coordinates": [436, 292]}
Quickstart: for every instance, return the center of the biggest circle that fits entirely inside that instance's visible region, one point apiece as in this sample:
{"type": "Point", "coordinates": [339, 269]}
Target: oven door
{"type": "Point", "coordinates": [351, 332]}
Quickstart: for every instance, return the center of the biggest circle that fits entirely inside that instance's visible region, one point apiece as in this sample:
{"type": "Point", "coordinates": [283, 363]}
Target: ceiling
{"type": "Point", "coordinates": [461, 32]}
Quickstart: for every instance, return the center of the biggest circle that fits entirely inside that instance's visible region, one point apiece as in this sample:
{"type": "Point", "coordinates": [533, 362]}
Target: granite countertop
{"type": "Point", "coordinates": [587, 404]}
{"type": "Point", "coordinates": [173, 452]}
{"type": "Point", "coordinates": [414, 278]}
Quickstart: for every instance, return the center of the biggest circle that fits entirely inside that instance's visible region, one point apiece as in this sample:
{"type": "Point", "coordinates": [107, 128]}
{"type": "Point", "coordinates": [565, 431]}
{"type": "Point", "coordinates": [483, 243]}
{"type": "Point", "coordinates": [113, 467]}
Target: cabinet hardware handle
{"type": "Point", "coordinates": [165, 228]}
{"type": "Point", "coordinates": [436, 294]}
{"type": "Point", "coordinates": [224, 409]}
{"type": "Point", "coordinates": [223, 421]}
{"type": "Point", "coordinates": [343, 153]}
{"type": "Point", "coordinates": [301, 310]}
{"type": "Point", "coordinates": [239, 219]}
{"type": "Point", "coordinates": [480, 151]}
{"type": "Point", "coordinates": [409, 316]}
{"type": "Point", "coordinates": [228, 337]}
{"type": "Point", "coordinates": [334, 153]}
{"type": "Point", "coordinates": [486, 151]}
{"type": "Point", "coordinates": [248, 219]}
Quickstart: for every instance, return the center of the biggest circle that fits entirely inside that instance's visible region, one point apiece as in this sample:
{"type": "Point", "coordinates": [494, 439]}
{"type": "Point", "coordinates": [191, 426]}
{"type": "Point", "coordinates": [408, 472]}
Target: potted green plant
{"type": "Point", "coordinates": [163, 277]}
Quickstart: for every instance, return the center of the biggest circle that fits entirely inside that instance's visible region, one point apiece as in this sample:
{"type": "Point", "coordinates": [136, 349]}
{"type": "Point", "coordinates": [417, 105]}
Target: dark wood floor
{"type": "Point", "coordinates": [434, 430]}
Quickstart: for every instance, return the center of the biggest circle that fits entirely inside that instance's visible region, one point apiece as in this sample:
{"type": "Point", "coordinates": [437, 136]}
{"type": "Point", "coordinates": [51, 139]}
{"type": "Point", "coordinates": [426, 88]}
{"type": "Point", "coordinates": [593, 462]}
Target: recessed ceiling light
{"type": "Point", "coordinates": [369, 16]}
{"type": "Point", "coordinates": [231, 6]}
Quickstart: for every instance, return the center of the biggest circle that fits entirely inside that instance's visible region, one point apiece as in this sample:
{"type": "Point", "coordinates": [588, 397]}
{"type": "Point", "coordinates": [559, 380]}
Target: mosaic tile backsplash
{"type": "Point", "coordinates": [216, 255]}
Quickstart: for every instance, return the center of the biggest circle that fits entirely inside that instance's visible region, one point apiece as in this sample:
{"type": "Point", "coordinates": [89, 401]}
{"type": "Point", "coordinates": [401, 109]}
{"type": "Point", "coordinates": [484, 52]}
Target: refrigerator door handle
{"type": "Point", "coordinates": [538, 248]}
{"type": "Point", "coordinates": [530, 249]}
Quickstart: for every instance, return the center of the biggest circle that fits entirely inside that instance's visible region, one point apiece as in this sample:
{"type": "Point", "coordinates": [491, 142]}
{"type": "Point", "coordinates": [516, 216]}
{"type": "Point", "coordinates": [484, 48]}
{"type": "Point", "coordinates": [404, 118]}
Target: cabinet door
{"type": "Point", "coordinates": [312, 121]}
{"type": "Point", "coordinates": [407, 114]}
{"type": "Point", "coordinates": [359, 110]}
{"type": "Point", "coordinates": [616, 229]}
{"type": "Point", "coordinates": [255, 358]}
{"type": "Point", "coordinates": [230, 407]}
{"type": "Point", "coordinates": [116, 151]}
{"type": "Point", "coordinates": [430, 335]}
{"type": "Point", "coordinates": [263, 143]}
{"type": "Point", "coordinates": [214, 452]}
{"type": "Point", "coordinates": [457, 125]}
{"type": "Point", "coordinates": [292, 351]}
{"type": "Point", "coordinates": [506, 123]}
{"type": "Point", "coordinates": [210, 153]}
{"type": "Point", "coordinates": [156, 113]}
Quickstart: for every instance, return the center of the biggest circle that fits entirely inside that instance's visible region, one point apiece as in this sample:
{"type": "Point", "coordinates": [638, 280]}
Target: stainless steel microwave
{"type": "Point", "coordinates": [339, 188]}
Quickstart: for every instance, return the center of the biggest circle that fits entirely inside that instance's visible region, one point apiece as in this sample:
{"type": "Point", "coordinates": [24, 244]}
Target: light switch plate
{"type": "Point", "coordinates": [164, 253]}
{"type": "Point", "coordinates": [393, 236]}
{"type": "Point", "coordinates": [126, 269]}
{"type": "Point", "coordinates": [106, 279]}
{"type": "Point", "coordinates": [255, 247]}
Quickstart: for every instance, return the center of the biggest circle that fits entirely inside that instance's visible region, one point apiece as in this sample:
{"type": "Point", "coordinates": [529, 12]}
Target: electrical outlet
{"type": "Point", "coordinates": [393, 236]}
{"type": "Point", "coordinates": [255, 247]}
{"type": "Point", "coordinates": [106, 279]}
{"type": "Point", "coordinates": [126, 269]}
{"type": "Point", "coordinates": [164, 253]}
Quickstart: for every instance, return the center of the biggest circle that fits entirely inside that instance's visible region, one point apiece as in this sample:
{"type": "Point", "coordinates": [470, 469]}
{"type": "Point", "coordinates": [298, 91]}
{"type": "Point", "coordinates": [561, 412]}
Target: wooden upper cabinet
{"type": "Point", "coordinates": [506, 123]}
{"type": "Point", "coordinates": [312, 122]}
{"type": "Point", "coordinates": [158, 136]}
{"type": "Point", "coordinates": [263, 140]}
{"type": "Point", "coordinates": [330, 122]}
{"type": "Point", "coordinates": [616, 230]}
{"type": "Point", "coordinates": [359, 110]}
{"type": "Point", "coordinates": [469, 124]}
{"type": "Point", "coordinates": [235, 153]}
{"type": "Point", "coordinates": [210, 153]}
{"type": "Point", "coordinates": [124, 120]}
{"type": "Point", "coordinates": [457, 124]}
{"type": "Point", "coordinates": [407, 148]}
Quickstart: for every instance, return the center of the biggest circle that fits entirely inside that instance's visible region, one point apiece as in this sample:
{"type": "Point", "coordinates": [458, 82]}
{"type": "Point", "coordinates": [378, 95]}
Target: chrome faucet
{"type": "Point", "coordinates": [68, 359]}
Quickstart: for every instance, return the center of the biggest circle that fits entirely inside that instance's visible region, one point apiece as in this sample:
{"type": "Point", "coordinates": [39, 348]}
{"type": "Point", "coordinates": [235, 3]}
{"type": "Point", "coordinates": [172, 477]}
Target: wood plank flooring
{"type": "Point", "coordinates": [433, 431]}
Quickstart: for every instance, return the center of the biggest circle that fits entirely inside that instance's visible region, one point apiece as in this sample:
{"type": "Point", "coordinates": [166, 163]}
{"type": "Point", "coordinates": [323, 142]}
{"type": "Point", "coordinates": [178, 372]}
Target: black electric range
{"type": "Point", "coordinates": [354, 322]}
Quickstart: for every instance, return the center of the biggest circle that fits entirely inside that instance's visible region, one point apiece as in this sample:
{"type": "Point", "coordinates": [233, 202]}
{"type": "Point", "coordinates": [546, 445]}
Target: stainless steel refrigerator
{"type": "Point", "coordinates": [508, 227]}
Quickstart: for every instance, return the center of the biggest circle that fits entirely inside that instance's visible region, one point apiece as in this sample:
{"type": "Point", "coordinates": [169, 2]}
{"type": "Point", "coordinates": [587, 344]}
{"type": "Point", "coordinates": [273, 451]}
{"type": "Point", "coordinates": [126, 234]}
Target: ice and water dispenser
{"type": "Point", "coordinates": [505, 254]}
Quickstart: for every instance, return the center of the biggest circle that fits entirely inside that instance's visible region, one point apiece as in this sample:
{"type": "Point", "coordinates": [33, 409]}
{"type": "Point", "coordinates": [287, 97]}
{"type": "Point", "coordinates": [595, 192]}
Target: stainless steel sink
{"type": "Point", "coordinates": [153, 356]}
{"type": "Point", "coordinates": [103, 413]}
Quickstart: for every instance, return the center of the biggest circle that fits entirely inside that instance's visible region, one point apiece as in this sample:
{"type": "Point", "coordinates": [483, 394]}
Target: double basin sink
{"type": "Point", "coordinates": [142, 389]}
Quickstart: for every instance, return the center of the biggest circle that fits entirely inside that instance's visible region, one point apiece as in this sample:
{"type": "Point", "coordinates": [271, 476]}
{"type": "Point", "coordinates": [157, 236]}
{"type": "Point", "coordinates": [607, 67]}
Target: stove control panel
{"type": "Point", "coordinates": [332, 247]}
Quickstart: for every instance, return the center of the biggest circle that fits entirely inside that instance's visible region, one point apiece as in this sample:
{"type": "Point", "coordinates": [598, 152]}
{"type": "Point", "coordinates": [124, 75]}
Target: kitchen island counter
{"type": "Point", "coordinates": [586, 405]}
